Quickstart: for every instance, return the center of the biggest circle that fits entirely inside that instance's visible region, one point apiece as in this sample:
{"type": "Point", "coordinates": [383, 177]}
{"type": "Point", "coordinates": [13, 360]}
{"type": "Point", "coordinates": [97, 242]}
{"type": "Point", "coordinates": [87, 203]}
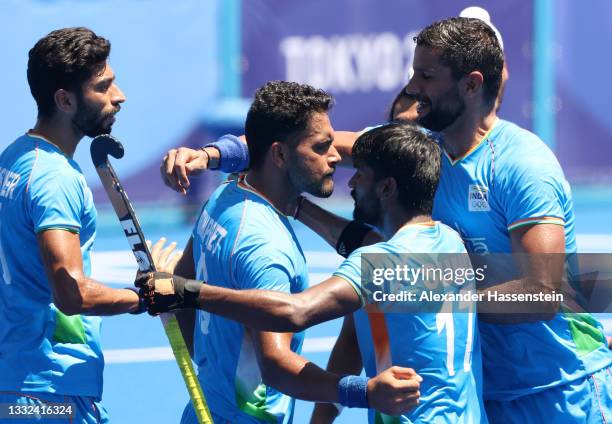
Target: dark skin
{"type": "Point", "coordinates": [395, 390]}
{"type": "Point", "coordinates": [345, 358]}
{"type": "Point", "coordinates": [73, 292]}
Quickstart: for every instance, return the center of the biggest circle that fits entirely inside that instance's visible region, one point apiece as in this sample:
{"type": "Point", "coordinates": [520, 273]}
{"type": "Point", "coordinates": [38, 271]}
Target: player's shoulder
{"type": "Point", "coordinates": [380, 247]}
{"type": "Point", "coordinates": [518, 150]}
{"type": "Point", "coordinates": [516, 142]}
{"type": "Point", "coordinates": [254, 222]}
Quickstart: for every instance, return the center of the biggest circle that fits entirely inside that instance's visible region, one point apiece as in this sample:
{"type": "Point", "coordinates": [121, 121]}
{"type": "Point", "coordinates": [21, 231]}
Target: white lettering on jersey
{"type": "Point", "coordinates": [478, 199]}
{"type": "Point", "coordinates": [210, 232]}
{"type": "Point", "coordinates": [8, 182]}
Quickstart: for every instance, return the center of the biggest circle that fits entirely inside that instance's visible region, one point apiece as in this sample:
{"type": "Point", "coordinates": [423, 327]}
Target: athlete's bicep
{"type": "Point", "coordinates": [60, 251]}
{"type": "Point", "coordinates": [538, 238]}
{"type": "Point", "coordinates": [540, 251]}
{"type": "Point", "coordinates": [333, 298]}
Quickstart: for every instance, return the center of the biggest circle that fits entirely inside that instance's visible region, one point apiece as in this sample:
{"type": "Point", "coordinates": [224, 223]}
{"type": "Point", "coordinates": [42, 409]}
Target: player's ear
{"type": "Point", "coordinates": [65, 100]}
{"type": "Point", "coordinates": [279, 154]}
{"type": "Point", "coordinates": [386, 188]}
{"type": "Point", "coordinates": [472, 83]}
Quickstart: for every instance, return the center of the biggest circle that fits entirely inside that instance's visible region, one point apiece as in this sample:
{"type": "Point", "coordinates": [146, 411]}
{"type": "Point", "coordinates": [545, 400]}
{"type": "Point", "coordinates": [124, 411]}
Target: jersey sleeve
{"type": "Point", "coordinates": [534, 193]}
{"type": "Point", "coordinates": [258, 266]}
{"type": "Point", "coordinates": [57, 202]}
{"type": "Point", "coordinates": [350, 271]}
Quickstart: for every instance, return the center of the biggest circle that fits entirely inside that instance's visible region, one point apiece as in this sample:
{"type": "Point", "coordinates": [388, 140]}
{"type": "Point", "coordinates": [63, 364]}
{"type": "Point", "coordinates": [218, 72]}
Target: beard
{"type": "Point", "coordinates": [367, 212]}
{"type": "Point", "coordinates": [305, 181]}
{"type": "Point", "coordinates": [92, 122]}
{"type": "Point", "coordinates": [322, 188]}
{"type": "Point", "coordinates": [450, 107]}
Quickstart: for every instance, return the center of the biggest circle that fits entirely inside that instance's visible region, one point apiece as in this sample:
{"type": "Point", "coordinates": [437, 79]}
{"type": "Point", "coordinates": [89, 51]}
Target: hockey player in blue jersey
{"type": "Point", "coordinates": [397, 171]}
{"type": "Point", "coordinates": [49, 332]}
{"type": "Point", "coordinates": [243, 240]}
{"type": "Point", "coordinates": [503, 190]}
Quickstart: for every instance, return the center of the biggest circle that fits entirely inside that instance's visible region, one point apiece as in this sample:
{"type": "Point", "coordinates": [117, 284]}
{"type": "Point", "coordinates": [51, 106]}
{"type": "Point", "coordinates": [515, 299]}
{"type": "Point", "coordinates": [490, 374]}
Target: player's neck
{"type": "Point", "coordinates": [278, 191]}
{"type": "Point", "coordinates": [467, 133]}
{"type": "Point", "coordinates": [60, 134]}
{"type": "Point", "coordinates": [397, 218]}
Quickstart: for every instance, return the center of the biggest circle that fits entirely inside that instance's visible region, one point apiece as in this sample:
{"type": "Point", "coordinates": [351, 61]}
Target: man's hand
{"type": "Point", "coordinates": [165, 292]}
{"type": "Point", "coordinates": [164, 258]}
{"type": "Point", "coordinates": [394, 391]}
{"type": "Point", "coordinates": [179, 163]}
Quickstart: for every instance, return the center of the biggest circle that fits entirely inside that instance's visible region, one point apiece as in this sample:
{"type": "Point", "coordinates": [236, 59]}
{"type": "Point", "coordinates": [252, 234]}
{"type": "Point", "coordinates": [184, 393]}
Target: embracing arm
{"type": "Point", "coordinates": [228, 155]}
{"type": "Point", "coordinates": [344, 359]}
{"type": "Point", "coordinates": [331, 227]}
{"type": "Point", "coordinates": [259, 309]}
{"type": "Point", "coordinates": [394, 391]}
{"type": "Point", "coordinates": [73, 292]}
{"type": "Point", "coordinates": [343, 142]}
{"type": "Point", "coordinates": [539, 250]}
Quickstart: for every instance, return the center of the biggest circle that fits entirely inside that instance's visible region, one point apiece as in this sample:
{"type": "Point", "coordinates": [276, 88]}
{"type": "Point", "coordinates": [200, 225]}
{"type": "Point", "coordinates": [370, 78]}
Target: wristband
{"type": "Point", "coordinates": [191, 293]}
{"type": "Point", "coordinates": [142, 305]}
{"type": "Point", "coordinates": [352, 238]}
{"type": "Point", "coordinates": [233, 153]}
{"type": "Point", "coordinates": [353, 391]}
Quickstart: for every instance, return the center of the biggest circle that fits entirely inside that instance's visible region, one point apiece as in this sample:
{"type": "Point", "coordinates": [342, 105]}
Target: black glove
{"type": "Point", "coordinates": [165, 292]}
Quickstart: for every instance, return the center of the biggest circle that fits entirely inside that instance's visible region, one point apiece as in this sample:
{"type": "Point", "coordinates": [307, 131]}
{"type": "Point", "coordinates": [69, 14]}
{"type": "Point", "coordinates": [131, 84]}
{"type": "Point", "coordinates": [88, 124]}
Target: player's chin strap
{"type": "Point", "coordinates": [101, 147]}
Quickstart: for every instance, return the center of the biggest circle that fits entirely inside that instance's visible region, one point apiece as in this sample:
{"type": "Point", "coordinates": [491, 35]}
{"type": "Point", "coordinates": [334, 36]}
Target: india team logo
{"type": "Point", "coordinates": [478, 199]}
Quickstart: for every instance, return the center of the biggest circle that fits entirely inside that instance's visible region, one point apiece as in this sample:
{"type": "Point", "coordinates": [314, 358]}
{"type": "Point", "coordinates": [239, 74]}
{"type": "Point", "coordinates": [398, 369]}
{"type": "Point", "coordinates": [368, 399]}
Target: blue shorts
{"type": "Point", "coordinates": [584, 401]}
{"type": "Point", "coordinates": [190, 417]}
{"type": "Point", "coordinates": [86, 410]}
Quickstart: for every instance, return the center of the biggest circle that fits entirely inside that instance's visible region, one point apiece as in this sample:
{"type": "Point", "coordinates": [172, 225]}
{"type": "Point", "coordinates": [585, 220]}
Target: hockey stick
{"type": "Point", "coordinates": [101, 147]}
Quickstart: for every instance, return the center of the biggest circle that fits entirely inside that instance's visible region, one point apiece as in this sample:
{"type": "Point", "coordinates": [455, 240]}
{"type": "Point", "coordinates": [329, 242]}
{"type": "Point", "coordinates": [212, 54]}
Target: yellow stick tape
{"type": "Point", "coordinates": [185, 365]}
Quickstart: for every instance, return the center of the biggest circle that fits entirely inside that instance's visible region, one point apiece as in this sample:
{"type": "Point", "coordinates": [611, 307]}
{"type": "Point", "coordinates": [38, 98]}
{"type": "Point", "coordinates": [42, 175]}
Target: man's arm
{"type": "Point", "coordinates": [259, 309]}
{"type": "Point", "coordinates": [540, 255]}
{"type": "Point", "coordinates": [330, 226]}
{"type": "Point", "coordinates": [73, 292]}
{"type": "Point", "coordinates": [179, 164]}
{"type": "Point", "coordinates": [393, 392]}
{"type": "Point", "coordinates": [344, 359]}
{"type": "Point", "coordinates": [343, 142]}
{"type": "Point", "coordinates": [228, 154]}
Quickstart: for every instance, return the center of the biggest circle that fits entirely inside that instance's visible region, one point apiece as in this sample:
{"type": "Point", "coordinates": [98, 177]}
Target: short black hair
{"type": "Point", "coordinates": [64, 58]}
{"type": "Point", "coordinates": [280, 111]}
{"type": "Point", "coordinates": [403, 151]}
{"type": "Point", "coordinates": [467, 45]}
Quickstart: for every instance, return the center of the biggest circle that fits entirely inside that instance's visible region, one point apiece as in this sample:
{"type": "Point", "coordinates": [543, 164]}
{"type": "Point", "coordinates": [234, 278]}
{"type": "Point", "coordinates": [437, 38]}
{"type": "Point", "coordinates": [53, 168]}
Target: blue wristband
{"type": "Point", "coordinates": [234, 154]}
{"type": "Point", "coordinates": [353, 391]}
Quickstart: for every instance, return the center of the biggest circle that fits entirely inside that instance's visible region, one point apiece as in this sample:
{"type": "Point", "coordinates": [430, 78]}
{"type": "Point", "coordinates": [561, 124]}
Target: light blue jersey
{"type": "Point", "coordinates": [442, 347]}
{"type": "Point", "coordinates": [512, 179]}
{"type": "Point", "coordinates": [41, 349]}
{"type": "Point", "coordinates": [241, 241]}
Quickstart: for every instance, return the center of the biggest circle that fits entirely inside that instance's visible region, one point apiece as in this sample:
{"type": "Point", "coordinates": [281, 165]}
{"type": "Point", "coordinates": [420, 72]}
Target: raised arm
{"type": "Point", "coordinates": [73, 292]}
{"type": "Point", "coordinates": [228, 154]}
